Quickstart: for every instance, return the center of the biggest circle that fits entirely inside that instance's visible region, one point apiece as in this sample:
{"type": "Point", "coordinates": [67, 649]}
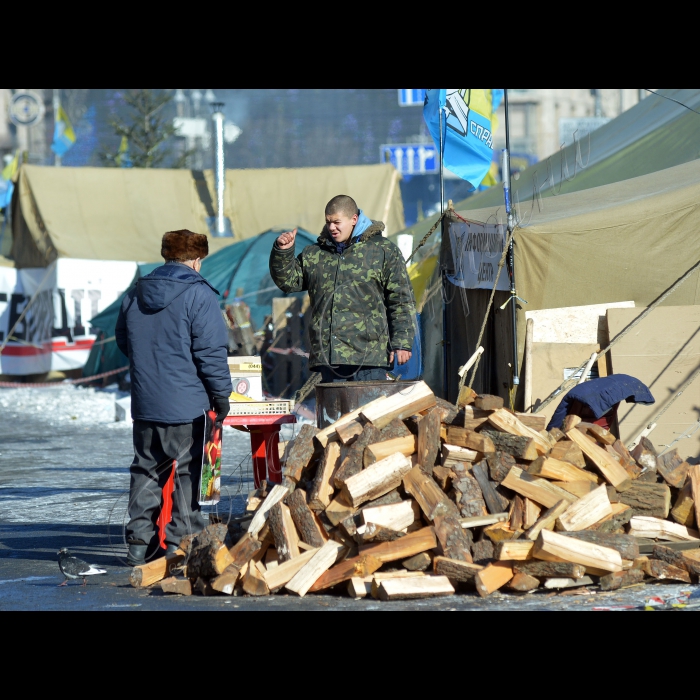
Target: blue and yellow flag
{"type": "Point", "coordinates": [63, 134]}
{"type": "Point", "coordinates": [468, 125]}
{"type": "Point", "coordinates": [6, 181]}
{"type": "Point", "coordinates": [123, 159]}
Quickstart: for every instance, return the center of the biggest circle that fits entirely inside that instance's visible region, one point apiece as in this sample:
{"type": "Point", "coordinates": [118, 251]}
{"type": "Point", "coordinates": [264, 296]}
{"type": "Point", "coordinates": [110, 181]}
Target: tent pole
{"type": "Point", "coordinates": [445, 382]}
{"type": "Point", "coordinates": [511, 253]}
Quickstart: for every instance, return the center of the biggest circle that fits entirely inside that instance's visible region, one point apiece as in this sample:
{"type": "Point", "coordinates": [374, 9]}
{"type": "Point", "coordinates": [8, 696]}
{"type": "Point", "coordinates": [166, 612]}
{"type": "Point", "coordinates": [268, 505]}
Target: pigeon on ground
{"type": "Point", "coordinates": [72, 567]}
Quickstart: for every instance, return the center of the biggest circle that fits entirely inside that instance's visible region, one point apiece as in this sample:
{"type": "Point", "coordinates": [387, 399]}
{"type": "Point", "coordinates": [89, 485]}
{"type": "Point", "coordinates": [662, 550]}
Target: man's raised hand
{"type": "Point", "coordinates": [286, 240]}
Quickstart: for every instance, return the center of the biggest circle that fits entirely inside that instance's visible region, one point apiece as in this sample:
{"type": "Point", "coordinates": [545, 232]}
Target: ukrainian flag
{"type": "Point", "coordinates": [63, 134]}
{"type": "Point", "coordinates": [6, 184]}
{"type": "Point", "coordinates": [468, 124]}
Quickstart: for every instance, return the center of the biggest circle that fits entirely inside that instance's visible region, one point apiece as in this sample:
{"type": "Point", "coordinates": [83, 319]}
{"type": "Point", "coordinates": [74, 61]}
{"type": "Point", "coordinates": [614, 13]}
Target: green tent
{"type": "Point", "coordinates": [240, 266]}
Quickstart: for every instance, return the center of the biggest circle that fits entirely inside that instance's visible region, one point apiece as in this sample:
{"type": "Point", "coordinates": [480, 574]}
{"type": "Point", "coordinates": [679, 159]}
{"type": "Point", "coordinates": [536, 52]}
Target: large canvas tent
{"type": "Point", "coordinates": [121, 213]}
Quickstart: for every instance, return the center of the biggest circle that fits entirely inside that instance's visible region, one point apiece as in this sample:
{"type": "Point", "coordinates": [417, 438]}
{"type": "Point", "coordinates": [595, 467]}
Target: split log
{"type": "Point", "coordinates": [484, 521]}
{"type": "Point", "coordinates": [494, 501]}
{"type": "Point", "coordinates": [405, 403]}
{"type": "Point", "coordinates": [322, 489]}
{"type": "Point", "coordinates": [492, 578]}
{"type": "Point", "coordinates": [514, 550]}
{"type": "Point", "coordinates": [339, 510]}
{"type": "Point", "coordinates": [538, 423]}
{"type": "Point", "coordinates": [551, 468]}
{"type": "Point", "coordinates": [539, 490]}
{"type": "Point", "coordinates": [454, 453]}
{"type": "Point", "coordinates": [208, 555]}
{"type": "Point", "coordinates": [627, 546]}
{"type": "Point", "coordinates": [673, 469]}
{"type": "Point", "coordinates": [348, 433]}
{"type": "Point", "coordinates": [694, 476]}
{"type": "Point", "coordinates": [279, 576]}
{"type": "Point", "coordinates": [645, 455]}
{"type": "Point", "coordinates": [202, 587]}
{"type": "Point", "coordinates": [415, 588]}
{"type": "Point", "coordinates": [453, 539]}
{"type": "Point", "coordinates": [329, 434]}
{"type": "Point", "coordinates": [354, 460]}
{"type": "Point", "coordinates": [381, 450]}
{"type": "Point", "coordinates": [483, 552]}
{"type": "Point", "coordinates": [516, 513]}
{"type": "Point", "coordinates": [241, 553]}
{"type": "Point", "coordinates": [547, 520]}
{"type": "Point", "coordinates": [467, 495]}
{"type": "Point", "coordinates": [300, 453]}
{"type": "Point", "coordinates": [555, 435]}
{"type": "Point", "coordinates": [429, 496]}
{"type": "Point", "coordinates": [499, 533]}
{"type": "Point", "coordinates": [531, 513]}
{"type": "Point", "coordinates": [456, 570]}
{"type": "Point", "coordinates": [428, 444]}
{"type": "Point", "coordinates": [414, 543]}
{"type": "Point", "coordinates": [277, 493]}
{"type": "Point", "coordinates": [443, 476]}
{"type": "Point", "coordinates": [567, 451]}
{"type": "Point", "coordinates": [621, 515]}
{"type": "Point", "coordinates": [178, 586]}
{"type": "Point", "coordinates": [675, 559]}
{"type": "Point", "coordinates": [395, 517]}
{"type": "Point", "coordinates": [448, 411]}
{"type": "Point", "coordinates": [463, 437]}
{"type": "Point", "coordinates": [506, 422]}
{"type": "Point", "coordinates": [514, 445]}
{"type": "Point", "coordinates": [652, 500]}
{"type": "Point", "coordinates": [321, 561]}
{"type": "Point", "coordinates": [551, 544]}
{"type": "Point", "coordinates": [598, 433]}
{"type": "Point", "coordinates": [570, 422]}
{"type": "Point", "coordinates": [467, 396]}
{"type": "Point", "coordinates": [485, 402]}
{"type": "Point", "coordinates": [654, 528]}
{"type": "Point", "coordinates": [692, 561]}
{"type": "Point", "coordinates": [611, 470]}
{"type": "Point", "coordinates": [684, 509]}
{"type": "Point", "coordinates": [376, 480]}
{"type": "Point", "coordinates": [283, 532]}
{"type": "Point", "coordinates": [500, 463]}
{"type": "Point", "coordinates": [254, 583]}
{"type": "Point", "coordinates": [421, 562]}
{"type": "Point", "coordinates": [304, 519]}
{"type": "Point", "coordinates": [586, 511]}
{"type": "Point", "coordinates": [621, 579]}
{"type": "Point", "coordinates": [550, 569]}
{"type": "Point", "coordinates": [563, 583]}
{"type": "Point", "coordinates": [577, 488]}
{"type": "Point", "coordinates": [662, 571]}
{"type": "Point", "coordinates": [522, 583]}
{"type": "Point", "coordinates": [225, 583]}
{"type": "Point", "coordinates": [359, 588]}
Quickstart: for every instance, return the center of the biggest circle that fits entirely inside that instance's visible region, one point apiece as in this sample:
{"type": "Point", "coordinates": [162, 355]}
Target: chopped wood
{"type": "Point", "coordinates": [471, 440]}
{"type": "Point", "coordinates": [453, 539]}
{"type": "Point", "coordinates": [494, 501]}
{"type": "Point", "coordinates": [408, 546]}
{"type": "Point", "coordinates": [322, 489]}
{"type": "Point", "coordinates": [412, 400]}
{"type": "Point", "coordinates": [567, 451]}
{"type": "Point", "coordinates": [455, 453]}
{"type": "Point", "coordinates": [421, 562]}
{"type": "Point", "coordinates": [557, 470]}
{"type": "Point", "coordinates": [202, 587]}
{"type": "Point", "coordinates": [563, 583]}
{"type": "Point", "coordinates": [485, 402]}
{"type": "Point", "coordinates": [359, 588]}
{"type": "Point", "coordinates": [254, 583]}
{"type": "Point", "coordinates": [611, 470]}
{"type": "Point", "coordinates": [621, 579]}
{"type": "Point", "coordinates": [570, 422]}
{"type": "Point", "coordinates": [467, 396]}
{"type": "Point", "coordinates": [550, 569]}
{"type": "Point", "coordinates": [443, 476]}
{"type": "Point", "coordinates": [493, 577]}
{"type": "Point", "coordinates": [381, 450]}
{"type": "Point", "coordinates": [500, 463]}
{"type": "Point", "coordinates": [377, 533]}
{"type": "Point", "coordinates": [321, 561]}
{"type": "Point", "coordinates": [354, 460]}
{"type": "Point", "coordinates": [178, 586]}
{"type": "Point", "coordinates": [586, 511]}
{"type": "Point", "coordinates": [277, 493]}
{"type": "Point", "coordinates": [394, 517]}
{"type": "Point", "coordinates": [645, 455]}
{"type": "Point", "coordinates": [456, 570]}
{"type": "Point", "coordinates": [301, 452]}
{"type": "Point", "coordinates": [467, 494]}
{"type": "Point", "coordinates": [531, 513]}
{"type": "Point", "coordinates": [207, 555]}
{"type": "Point", "coordinates": [538, 423]}
{"type": "Point", "coordinates": [226, 583]}
{"type": "Point", "coordinates": [483, 552]}
{"type": "Point", "coordinates": [499, 533]}
{"type": "Point", "coordinates": [555, 434]}
{"type": "Point", "coordinates": [577, 488]}
{"type": "Point", "coordinates": [516, 513]}
{"type": "Point", "coordinates": [484, 521]}
{"type": "Point", "coordinates": [653, 500]}
{"type": "Point", "coordinates": [522, 583]}
{"type": "Point", "coordinates": [428, 443]}
{"type": "Point", "coordinates": [598, 433]}
{"type": "Point", "coordinates": [654, 528]}
{"type": "Point", "coordinates": [662, 571]}
{"type": "Point", "coordinates": [694, 476]}
{"type": "Point", "coordinates": [621, 515]}
{"type": "Point", "coordinates": [684, 509]}
{"type": "Point", "coordinates": [539, 490]}
{"type": "Point", "coordinates": [514, 445]}
{"type": "Point", "coordinates": [547, 520]}
{"type": "Point", "coordinates": [627, 546]}
{"type": "Point", "coordinates": [506, 422]}
{"type": "Point", "coordinates": [310, 531]}
{"type": "Point", "coordinates": [448, 411]}
{"type": "Point", "coordinates": [284, 532]}
{"type": "Point", "coordinates": [376, 480]}
{"type": "Point", "coordinates": [349, 432]}
{"type": "Point", "coordinates": [156, 570]}
{"type": "Point", "coordinates": [514, 550]}
{"type": "Point", "coordinates": [551, 544]}
{"type": "Point", "coordinates": [692, 562]}
{"type": "Point", "coordinates": [339, 510]}
{"type": "Point", "coordinates": [279, 576]}
{"type": "Point", "coordinates": [415, 588]}
{"type": "Point", "coordinates": [329, 434]}
{"type": "Point", "coordinates": [430, 497]}
{"type": "Point", "coordinates": [673, 469]}
{"type": "Point", "coordinates": [674, 558]}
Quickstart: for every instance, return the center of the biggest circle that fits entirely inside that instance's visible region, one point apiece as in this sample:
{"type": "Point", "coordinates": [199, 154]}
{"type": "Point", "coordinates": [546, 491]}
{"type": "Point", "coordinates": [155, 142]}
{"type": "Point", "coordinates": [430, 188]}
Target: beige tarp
{"type": "Point", "coordinates": [4, 262]}
{"type": "Point", "coordinates": [121, 213]}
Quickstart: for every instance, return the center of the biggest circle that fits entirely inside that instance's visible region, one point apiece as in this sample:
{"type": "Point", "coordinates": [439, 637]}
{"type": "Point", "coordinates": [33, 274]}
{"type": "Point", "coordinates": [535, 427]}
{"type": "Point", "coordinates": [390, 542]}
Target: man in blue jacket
{"type": "Point", "coordinates": [171, 328]}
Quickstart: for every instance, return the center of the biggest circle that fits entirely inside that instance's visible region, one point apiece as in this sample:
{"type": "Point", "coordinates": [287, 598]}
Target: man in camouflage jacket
{"type": "Point", "coordinates": [361, 298]}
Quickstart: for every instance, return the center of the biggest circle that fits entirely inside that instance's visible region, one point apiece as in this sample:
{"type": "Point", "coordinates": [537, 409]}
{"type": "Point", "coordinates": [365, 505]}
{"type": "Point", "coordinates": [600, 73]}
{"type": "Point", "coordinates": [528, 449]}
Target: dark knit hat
{"type": "Point", "coordinates": [184, 245]}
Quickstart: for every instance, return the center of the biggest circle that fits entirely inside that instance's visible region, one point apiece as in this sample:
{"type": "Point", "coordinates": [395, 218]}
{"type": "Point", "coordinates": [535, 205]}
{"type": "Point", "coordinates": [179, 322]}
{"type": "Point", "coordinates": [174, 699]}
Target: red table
{"type": "Point", "coordinates": [264, 441]}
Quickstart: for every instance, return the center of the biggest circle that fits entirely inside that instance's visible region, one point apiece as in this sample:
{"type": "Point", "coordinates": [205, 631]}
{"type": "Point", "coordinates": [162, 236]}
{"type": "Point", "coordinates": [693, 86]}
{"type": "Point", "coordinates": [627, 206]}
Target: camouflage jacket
{"type": "Point", "coordinates": [361, 299]}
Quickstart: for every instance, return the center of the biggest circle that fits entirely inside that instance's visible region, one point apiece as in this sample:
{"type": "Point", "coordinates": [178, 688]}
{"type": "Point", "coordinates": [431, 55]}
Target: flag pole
{"type": "Point", "coordinates": [56, 107]}
{"type": "Point", "coordinates": [445, 382]}
{"type": "Point", "coordinates": [511, 253]}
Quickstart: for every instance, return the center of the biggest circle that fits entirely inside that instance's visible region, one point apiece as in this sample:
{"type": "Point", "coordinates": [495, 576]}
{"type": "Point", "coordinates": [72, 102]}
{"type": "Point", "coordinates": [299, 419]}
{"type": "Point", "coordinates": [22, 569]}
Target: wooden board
{"type": "Point", "coordinates": [612, 471]}
{"type": "Point", "coordinates": [415, 588]}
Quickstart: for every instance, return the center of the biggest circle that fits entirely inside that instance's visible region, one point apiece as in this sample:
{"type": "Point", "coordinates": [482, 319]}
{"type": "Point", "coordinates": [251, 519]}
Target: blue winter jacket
{"type": "Point", "coordinates": [171, 328]}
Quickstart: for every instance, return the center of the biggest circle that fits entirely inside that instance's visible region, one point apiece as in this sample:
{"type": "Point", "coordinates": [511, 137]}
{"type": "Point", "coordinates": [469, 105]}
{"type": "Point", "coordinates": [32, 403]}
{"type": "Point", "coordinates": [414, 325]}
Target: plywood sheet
{"type": "Point", "coordinates": [663, 351]}
{"type": "Point", "coordinates": [574, 324]}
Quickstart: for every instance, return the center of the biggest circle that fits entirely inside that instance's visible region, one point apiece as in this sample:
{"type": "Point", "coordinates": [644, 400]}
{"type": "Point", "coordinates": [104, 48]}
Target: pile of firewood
{"type": "Point", "coordinates": [412, 497]}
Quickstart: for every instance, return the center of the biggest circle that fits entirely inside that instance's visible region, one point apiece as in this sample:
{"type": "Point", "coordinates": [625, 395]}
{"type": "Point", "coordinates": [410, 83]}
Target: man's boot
{"type": "Point", "coordinates": [136, 555]}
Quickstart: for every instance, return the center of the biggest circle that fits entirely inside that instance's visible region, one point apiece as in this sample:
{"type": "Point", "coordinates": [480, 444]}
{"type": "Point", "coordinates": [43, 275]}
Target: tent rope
{"type": "Point", "coordinates": [569, 383]}
{"type": "Point", "coordinates": [425, 238]}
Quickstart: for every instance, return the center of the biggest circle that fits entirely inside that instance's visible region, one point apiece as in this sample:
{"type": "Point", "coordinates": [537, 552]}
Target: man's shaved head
{"type": "Point", "coordinates": [342, 204]}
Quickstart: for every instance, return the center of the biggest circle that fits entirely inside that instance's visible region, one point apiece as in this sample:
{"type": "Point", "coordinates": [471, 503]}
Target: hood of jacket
{"type": "Point", "coordinates": [368, 230]}
{"type": "Point", "coordinates": [161, 287]}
